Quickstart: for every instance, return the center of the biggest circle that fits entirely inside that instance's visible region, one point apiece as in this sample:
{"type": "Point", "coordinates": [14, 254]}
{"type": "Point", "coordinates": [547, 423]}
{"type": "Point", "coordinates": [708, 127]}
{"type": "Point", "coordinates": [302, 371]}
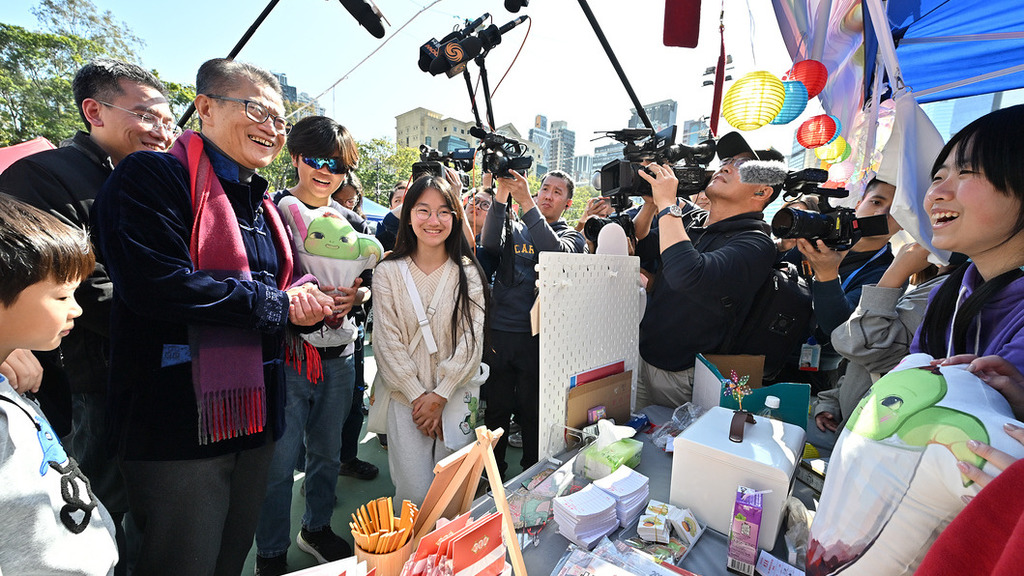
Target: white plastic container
{"type": "Point", "coordinates": [707, 467]}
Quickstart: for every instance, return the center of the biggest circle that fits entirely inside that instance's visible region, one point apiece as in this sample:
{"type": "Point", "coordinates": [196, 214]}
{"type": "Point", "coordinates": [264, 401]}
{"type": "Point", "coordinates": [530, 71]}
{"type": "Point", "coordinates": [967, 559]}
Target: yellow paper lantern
{"type": "Point", "coordinates": [831, 152]}
{"type": "Point", "coordinates": [753, 101]}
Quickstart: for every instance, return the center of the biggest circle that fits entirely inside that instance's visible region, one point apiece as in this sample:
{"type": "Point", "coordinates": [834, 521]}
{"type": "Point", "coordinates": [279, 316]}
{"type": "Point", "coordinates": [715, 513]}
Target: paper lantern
{"type": "Point", "coordinates": [795, 103]}
{"type": "Point", "coordinates": [811, 73]}
{"type": "Point", "coordinates": [846, 153]}
{"type": "Point", "coordinates": [839, 128]}
{"type": "Point", "coordinates": [841, 172]}
{"type": "Point", "coordinates": [753, 101]}
{"type": "Point", "coordinates": [831, 152]}
{"type": "Point", "coordinates": [816, 131]}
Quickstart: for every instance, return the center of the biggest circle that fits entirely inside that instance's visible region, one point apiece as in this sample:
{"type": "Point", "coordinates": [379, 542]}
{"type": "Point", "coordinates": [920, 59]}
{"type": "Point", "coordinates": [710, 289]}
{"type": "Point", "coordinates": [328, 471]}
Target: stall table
{"type": "Point", "coordinates": [707, 557]}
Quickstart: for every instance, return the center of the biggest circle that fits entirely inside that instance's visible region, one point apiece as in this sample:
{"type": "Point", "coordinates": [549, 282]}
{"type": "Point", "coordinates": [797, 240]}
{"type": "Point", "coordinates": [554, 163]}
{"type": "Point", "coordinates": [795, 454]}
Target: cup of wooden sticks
{"type": "Point", "coordinates": [383, 540]}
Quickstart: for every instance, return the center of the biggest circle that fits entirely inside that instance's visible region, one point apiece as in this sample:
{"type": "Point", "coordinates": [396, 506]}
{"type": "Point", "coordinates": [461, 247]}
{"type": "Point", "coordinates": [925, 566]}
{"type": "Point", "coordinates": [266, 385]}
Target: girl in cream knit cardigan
{"type": "Point", "coordinates": [432, 244]}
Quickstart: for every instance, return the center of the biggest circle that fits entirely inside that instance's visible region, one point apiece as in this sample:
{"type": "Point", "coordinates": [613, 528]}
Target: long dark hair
{"type": "Point", "coordinates": [992, 144]}
{"type": "Point", "coordinates": [455, 245]}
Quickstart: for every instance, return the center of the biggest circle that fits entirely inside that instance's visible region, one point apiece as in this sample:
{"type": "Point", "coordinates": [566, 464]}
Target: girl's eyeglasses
{"type": "Point", "coordinates": [423, 214]}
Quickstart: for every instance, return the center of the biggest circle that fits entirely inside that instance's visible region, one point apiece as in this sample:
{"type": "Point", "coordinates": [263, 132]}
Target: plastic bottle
{"type": "Point", "coordinates": [771, 405]}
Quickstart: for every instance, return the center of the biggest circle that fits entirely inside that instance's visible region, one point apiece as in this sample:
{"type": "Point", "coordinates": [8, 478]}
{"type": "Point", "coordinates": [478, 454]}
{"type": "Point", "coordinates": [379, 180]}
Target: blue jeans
{"type": "Point", "coordinates": [314, 413]}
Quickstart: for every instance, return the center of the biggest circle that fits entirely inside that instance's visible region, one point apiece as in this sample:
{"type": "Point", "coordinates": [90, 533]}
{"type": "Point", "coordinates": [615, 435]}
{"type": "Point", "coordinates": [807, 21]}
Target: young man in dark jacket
{"type": "Point", "coordinates": [515, 356]}
{"type": "Point", "coordinates": [125, 109]}
{"type": "Point", "coordinates": [704, 264]}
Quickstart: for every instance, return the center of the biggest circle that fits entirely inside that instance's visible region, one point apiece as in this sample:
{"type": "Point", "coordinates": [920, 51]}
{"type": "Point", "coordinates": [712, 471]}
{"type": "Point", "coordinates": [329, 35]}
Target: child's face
{"type": "Point", "coordinates": [42, 315]}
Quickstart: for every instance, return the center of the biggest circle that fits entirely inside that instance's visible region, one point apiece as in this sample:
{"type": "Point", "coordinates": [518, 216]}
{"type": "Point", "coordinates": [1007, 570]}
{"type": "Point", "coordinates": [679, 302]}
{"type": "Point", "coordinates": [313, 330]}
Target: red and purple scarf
{"type": "Point", "coordinates": [227, 362]}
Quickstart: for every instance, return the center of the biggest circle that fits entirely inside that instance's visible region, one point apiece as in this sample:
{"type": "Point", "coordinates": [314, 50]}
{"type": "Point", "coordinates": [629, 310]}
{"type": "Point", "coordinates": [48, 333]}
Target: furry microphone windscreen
{"type": "Point", "coordinates": [763, 172]}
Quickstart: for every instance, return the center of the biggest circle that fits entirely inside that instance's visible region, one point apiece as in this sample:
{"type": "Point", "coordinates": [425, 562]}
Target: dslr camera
{"type": "Point", "coordinates": [839, 228]}
{"type": "Point", "coordinates": [502, 154]}
{"type": "Point", "coordinates": [433, 162]}
{"type": "Point", "coordinates": [620, 179]}
{"type": "Point", "coordinates": [592, 227]}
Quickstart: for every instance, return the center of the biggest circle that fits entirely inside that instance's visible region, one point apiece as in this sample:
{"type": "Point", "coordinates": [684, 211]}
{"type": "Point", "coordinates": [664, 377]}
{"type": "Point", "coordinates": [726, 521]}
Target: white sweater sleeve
{"type": "Point", "coordinates": [390, 340]}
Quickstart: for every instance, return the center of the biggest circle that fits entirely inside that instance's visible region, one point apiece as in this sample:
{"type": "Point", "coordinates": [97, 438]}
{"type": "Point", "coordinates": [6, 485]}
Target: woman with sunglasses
{"type": "Point", "coordinates": [432, 253]}
{"type": "Point", "coordinates": [319, 371]}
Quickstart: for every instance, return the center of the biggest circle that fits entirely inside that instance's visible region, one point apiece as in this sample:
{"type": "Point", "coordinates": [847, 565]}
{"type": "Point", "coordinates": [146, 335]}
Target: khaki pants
{"type": "Point", "coordinates": [663, 388]}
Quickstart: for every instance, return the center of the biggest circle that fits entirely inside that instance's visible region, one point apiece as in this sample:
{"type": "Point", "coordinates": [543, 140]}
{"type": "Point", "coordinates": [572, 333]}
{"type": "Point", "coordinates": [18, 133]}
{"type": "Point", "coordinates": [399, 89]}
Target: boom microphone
{"type": "Point", "coordinates": [491, 36]}
{"type": "Point", "coordinates": [454, 56]}
{"type": "Point", "coordinates": [763, 172]}
{"type": "Point", "coordinates": [367, 14]}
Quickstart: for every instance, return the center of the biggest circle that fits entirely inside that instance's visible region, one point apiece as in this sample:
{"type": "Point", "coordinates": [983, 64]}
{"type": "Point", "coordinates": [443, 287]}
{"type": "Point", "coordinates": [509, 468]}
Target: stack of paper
{"type": "Point", "coordinates": [653, 525]}
{"type": "Point", "coordinates": [630, 490]}
{"type": "Point", "coordinates": [586, 516]}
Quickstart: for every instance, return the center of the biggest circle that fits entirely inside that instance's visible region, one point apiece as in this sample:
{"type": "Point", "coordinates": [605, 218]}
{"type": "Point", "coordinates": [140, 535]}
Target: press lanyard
{"type": "Point", "coordinates": [850, 278]}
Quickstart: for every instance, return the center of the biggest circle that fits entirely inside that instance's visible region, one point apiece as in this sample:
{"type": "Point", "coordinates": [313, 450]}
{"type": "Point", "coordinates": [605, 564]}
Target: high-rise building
{"type": "Point", "coordinates": [539, 135]}
{"type": "Point", "coordinates": [694, 132]}
{"type": "Point", "coordinates": [292, 95]}
{"type": "Point", "coordinates": [607, 153]}
{"type": "Point", "coordinates": [563, 147]}
{"type": "Point", "coordinates": [420, 126]}
{"type": "Point", "coordinates": [583, 168]}
{"type": "Point", "coordinates": [662, 115]}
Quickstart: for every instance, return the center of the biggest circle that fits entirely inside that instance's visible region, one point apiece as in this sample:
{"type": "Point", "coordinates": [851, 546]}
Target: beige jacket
{"type": "Point", "coordinates": [395, 325]}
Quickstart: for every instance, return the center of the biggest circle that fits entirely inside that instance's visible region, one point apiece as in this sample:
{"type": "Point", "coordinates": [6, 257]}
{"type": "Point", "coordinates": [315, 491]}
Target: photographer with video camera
{"type": "Point", "coordinates": [839, 276]}
{"type": "Point", "coordinates": [710, 269]}
{"type": "Point", "coordinates": [515, 359]}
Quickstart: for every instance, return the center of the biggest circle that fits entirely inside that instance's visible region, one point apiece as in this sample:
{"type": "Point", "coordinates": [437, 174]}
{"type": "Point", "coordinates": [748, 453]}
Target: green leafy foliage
{"type": "Point", "coordinates": [382, 164]}
{"type": "Point", "coordinates": [35, 84]}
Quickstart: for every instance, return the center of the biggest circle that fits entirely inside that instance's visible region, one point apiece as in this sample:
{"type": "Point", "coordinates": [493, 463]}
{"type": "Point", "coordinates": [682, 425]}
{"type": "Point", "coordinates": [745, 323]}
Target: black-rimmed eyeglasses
{"type": "Point", "coordinates": [258, 113]}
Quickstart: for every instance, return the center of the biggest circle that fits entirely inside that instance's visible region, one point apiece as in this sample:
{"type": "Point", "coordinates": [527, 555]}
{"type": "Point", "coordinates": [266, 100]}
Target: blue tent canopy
{"type": "Point", "coordinates": [373, 210]}
{"type": "Point", "coordinates": [942, 43]}
{"type": "Point", "coordinates": [945, 48]}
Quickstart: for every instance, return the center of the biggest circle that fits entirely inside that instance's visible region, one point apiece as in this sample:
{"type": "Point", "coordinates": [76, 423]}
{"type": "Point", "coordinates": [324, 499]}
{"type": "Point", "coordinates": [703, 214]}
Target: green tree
{"type": "Point", "coordinates": [382, 164]}
{"type": "Point", "coordinates": [81, 19]}
{"type": "Point", "coordinates": [35, 84]}
{"type": "Point", "coordinates": [581, 195]}
{"type": "Point", "coordinates": [36, 68]}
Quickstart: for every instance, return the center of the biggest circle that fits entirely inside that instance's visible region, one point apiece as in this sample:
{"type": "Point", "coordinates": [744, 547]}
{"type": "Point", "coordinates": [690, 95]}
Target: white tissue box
{"type": "Point", "coordinates": [707, 467]}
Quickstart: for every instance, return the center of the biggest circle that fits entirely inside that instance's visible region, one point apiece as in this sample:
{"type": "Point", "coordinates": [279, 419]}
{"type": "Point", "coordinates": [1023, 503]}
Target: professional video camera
{"type": "Point", "coordinates": [839, 228]}
{"type": "Point", "coordinates": [592, 227]}
{"type": "Point", "coordinates": [432, 162]}
{"type": "Point", "coordinates": [502, 154]}
{"type": "Point", "coordinates": [619, 179]}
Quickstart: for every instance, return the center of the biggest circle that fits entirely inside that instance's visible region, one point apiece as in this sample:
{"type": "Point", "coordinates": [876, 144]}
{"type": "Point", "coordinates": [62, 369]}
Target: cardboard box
{"type": "Point", "coordinates": [707, 467]}
{"type": "Point", "coordinates": [612, 392]}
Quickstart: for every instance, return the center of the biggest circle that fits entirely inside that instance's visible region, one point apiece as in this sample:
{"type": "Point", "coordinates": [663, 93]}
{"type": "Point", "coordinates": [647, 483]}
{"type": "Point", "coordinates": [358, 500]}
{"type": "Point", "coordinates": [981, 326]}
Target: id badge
{"type": "Point", "coordinates": [810, 357]}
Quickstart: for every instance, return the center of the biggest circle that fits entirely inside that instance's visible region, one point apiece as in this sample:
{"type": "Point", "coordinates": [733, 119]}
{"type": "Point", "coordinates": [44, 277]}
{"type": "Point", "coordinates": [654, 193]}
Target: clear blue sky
{"type": "Point", "coordinates": [561, 73]}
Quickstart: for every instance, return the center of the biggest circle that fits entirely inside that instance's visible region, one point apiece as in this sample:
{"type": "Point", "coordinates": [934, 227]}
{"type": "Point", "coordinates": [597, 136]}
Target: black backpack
{"type": "Point", "coordinates": [779, 319]}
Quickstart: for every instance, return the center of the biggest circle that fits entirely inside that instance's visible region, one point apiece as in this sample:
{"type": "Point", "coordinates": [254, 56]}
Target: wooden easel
{"type": "Point", "coordinates": [454, 488]}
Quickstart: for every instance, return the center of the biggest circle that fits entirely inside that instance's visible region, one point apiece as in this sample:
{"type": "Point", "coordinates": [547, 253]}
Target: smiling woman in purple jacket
{"type": "Point", "coordinates": [976, 203]}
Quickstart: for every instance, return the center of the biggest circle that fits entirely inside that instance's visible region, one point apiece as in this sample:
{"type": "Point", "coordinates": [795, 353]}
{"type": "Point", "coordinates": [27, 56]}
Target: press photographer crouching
{"type": "Point", "coordinates": [845, 249]}
{"type": "Point", "coordinates": [708, 264]}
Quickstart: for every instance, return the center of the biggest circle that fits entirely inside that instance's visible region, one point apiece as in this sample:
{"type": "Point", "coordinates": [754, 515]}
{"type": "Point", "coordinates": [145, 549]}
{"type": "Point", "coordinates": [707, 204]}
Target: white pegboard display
{"type": "Point", "coordinates": [589, 316]}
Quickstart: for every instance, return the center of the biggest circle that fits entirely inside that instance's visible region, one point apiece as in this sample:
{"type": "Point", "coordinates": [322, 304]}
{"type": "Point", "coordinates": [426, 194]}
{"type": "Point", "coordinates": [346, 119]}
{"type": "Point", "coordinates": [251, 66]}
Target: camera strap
{"type": "Point", "coordinates": [849, 279]}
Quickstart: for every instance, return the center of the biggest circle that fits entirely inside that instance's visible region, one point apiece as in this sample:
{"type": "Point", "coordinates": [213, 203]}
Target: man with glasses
{"type": "Point", "coordinates": [125, 109]}
{"type": "Point", "coordinates": [711, 268]}
{"type": "Point", "coordinates": [514, 383]}
{"type": "Point", "coordinates": [203, 290]}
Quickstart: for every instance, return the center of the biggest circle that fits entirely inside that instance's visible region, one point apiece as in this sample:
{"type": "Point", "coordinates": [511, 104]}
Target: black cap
{"type": "Point", "coordinates": [733, 144]}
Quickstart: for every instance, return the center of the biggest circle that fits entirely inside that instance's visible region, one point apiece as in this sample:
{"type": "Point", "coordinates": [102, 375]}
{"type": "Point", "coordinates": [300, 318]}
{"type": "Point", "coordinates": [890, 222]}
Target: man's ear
{"type": "Point", "coordinates": [295, 160]}
{"type": "Point", "coordinates": [91, 109]}
{"type": "Point", "coordinates": [203, 104]}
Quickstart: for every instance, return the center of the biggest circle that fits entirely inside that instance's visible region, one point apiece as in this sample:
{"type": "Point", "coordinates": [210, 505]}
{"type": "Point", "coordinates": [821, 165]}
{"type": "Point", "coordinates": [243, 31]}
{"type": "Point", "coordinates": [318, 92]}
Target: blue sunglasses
{"type": "Point", "coordinates": [334, 165]}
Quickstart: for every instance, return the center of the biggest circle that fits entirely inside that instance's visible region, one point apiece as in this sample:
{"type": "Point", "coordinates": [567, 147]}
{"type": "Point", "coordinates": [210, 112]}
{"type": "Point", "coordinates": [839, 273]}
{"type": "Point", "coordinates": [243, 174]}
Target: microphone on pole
{"type": "Point", "coordinates": [491, 36]}
{"type": "Point", "coordinates": [454, 56]}
{"type": "Point", "coordinates": [367, 14]}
